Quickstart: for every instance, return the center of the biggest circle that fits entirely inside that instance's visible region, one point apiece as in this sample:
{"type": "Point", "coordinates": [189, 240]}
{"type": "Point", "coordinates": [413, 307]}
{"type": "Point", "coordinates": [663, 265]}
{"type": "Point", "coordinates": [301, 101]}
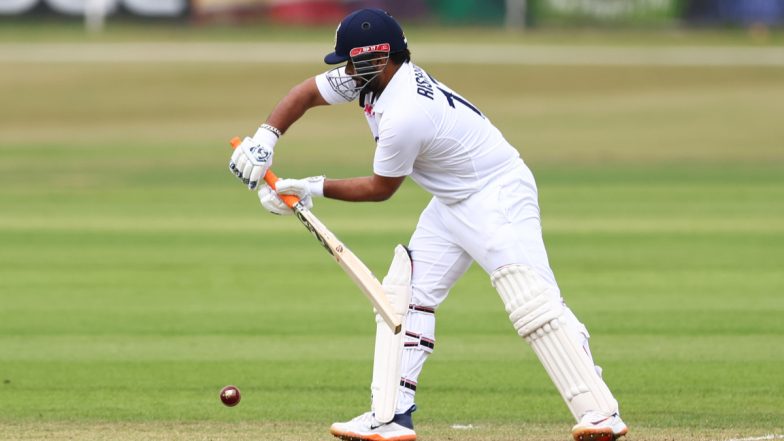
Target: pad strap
{"type": "Point", "coordinates": [425, 309]}
{"type": "Point", "coordinates": [417, 341]}
{"type": "Point", "coordinates": [408, 384]}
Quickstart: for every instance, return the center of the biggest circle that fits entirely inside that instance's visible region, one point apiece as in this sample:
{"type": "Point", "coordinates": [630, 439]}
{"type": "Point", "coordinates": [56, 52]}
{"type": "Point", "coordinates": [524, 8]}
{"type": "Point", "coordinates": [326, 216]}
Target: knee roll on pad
{"type": "Point", "coordinates": [529, 300]}
{"type": "Point", "coordinates": [537, 314]}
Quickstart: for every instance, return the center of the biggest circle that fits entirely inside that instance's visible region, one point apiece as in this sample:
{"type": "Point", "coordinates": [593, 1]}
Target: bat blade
{"type": "Point", "coordinates": [359, 273]}
{"type": "Point", "coordinates": [355, 268]}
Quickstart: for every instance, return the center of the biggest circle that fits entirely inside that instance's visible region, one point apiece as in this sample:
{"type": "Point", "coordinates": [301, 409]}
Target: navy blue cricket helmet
{"type": "Point", "coordinates": [364, 28]}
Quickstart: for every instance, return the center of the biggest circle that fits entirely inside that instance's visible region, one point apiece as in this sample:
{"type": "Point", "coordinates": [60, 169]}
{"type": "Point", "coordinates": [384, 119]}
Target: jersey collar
{"type": "Point", "coordinates": [394, 87]}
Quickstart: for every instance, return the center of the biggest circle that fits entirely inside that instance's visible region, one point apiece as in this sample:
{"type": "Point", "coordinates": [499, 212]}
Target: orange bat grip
{"type": "Point", "coordinates": [270, 178]}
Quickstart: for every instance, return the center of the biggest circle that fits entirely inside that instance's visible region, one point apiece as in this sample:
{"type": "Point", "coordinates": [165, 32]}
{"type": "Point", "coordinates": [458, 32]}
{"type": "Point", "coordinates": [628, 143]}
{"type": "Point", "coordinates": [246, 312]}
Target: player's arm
{"type": "Point", "coordinates": [251, 159]}
{"type": "Point", "coordinates": [374, 188]}
{"type": "Point", "coordinates": [365, 189]}
{"type": "Point", "coordinates": [300, 98]}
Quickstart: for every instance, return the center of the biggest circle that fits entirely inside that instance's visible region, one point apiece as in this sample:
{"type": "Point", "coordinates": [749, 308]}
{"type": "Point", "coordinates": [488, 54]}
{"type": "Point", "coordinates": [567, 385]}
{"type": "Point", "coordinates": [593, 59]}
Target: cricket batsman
{"type": "Point", "coordinates": [484, 209]}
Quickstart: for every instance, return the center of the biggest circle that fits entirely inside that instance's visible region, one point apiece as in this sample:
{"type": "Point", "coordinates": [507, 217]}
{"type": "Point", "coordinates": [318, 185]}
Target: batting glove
{"type": "Point", "coordinates": [253, 157]}
{"type": "Point", "coordinates": [304, 189]}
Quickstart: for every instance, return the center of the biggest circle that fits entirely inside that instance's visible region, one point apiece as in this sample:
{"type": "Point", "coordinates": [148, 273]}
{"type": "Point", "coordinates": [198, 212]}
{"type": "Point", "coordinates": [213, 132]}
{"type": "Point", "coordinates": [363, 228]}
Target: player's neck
{"type": "Point", "coordinates": [385, 77]}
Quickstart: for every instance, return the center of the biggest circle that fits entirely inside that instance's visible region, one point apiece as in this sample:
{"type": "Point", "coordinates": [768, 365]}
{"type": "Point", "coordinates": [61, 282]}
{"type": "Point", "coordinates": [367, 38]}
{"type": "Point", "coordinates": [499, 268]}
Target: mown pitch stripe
{"type": "Point", "coordinates": [277, 53]}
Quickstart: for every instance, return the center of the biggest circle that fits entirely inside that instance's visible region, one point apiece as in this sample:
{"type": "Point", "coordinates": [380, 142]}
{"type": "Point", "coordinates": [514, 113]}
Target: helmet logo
{"type": "Point", "coordinates": [383, 47]}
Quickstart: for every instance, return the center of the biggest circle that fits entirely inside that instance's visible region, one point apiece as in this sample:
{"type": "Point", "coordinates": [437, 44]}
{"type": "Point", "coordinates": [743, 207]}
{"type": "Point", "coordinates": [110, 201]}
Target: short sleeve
{"type": "Point", "coordinates": [327, 83]}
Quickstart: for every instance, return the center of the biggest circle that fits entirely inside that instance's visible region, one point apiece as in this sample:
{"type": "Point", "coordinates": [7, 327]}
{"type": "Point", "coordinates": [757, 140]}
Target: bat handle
{"type": "Point", "coordinates": [270, 178]}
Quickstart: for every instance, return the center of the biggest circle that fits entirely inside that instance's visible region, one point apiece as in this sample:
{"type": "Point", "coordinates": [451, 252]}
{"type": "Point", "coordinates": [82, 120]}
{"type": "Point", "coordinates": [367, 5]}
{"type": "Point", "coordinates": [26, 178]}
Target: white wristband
{"type": "Point", "coordinates": [265, 137]}
{"type": "Point", "coordinates": [272, 129]}
{"type": "Point", "coordinates": [316, 186]}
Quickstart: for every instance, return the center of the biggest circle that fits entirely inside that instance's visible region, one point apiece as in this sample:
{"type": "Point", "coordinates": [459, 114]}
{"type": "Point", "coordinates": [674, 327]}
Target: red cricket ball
{"type": "Point", "coordinates": [230, 396]}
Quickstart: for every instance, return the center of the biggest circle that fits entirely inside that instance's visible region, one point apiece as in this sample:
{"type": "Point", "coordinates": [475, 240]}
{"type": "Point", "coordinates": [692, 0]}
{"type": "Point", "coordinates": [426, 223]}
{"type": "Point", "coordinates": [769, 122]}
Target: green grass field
{"type": "Point", "coordinates": [137, 277]}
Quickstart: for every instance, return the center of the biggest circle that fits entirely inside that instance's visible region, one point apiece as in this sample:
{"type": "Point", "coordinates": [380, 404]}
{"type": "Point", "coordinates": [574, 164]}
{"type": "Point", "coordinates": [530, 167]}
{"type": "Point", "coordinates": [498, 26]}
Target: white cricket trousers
{"type": "Point", "coordinates": [497, 226]}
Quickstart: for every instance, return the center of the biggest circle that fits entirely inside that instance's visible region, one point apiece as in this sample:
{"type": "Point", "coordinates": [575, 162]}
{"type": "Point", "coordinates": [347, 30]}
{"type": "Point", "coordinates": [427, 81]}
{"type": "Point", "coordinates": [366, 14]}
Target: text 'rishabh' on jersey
{"type": "Point", "coordinates": [425, 130]}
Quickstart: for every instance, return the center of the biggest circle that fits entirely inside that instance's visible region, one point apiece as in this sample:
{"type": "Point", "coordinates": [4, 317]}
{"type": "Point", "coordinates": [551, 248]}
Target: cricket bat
{"type": "Point", "coordinates": [355, 268]}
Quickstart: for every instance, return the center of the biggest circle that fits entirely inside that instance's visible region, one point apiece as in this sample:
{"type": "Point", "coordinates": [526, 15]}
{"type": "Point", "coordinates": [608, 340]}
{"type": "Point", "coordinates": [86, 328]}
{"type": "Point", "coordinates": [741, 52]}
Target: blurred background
{"type": "Point", "coordinates": [138, 277]}
{"type": "Point", "coordinates": [511, 13]}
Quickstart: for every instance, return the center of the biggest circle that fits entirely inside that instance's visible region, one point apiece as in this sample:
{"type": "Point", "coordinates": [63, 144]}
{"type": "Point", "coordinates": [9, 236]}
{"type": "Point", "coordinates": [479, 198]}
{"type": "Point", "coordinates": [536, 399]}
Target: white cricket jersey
{"type": "Point", "coordinates": [424, 130]}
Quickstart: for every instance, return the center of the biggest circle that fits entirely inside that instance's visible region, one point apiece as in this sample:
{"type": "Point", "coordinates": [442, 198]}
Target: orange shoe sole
{"type": "Point", "coordinates": [349, 436]}
{"type": "Point", "coordinates": [604, 434]}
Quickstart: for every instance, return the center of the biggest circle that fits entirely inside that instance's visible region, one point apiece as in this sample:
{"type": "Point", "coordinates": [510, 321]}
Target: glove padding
{"type": "Point", "coordinates": [253, 157]}
{"type": "Point", "coordinates": [275, 205]}
{"type": "Point", "coordinates": [304, 189]}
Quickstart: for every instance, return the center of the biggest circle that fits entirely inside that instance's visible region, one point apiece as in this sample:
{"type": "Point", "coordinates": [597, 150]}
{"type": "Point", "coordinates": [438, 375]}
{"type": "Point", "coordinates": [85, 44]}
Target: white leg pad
{"type": "Point", "coordinates": [389, 347]}
{"type": "Point", "coordinates": [418, 344]}
{"type": "Point", "coordinates": [539, 316]}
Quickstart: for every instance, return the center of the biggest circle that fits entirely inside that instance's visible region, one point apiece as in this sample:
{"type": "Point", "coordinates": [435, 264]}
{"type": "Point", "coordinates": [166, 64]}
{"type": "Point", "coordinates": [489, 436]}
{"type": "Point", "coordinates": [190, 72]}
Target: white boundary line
{"type": "Point", "coordinates": [278, 53]}
{"type": "Point", "coordinates": [462, 426]}
{"type": "Point", "coordinates": [758, 438]}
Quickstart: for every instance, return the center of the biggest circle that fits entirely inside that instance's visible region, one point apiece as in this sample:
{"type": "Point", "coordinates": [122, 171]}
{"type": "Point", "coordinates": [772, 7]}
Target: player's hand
{"type": "Point", "coordinates": [274, 204]}
{"type": "Point", "coordinates": [304, 189]}
{"type": "Point", "coordinates": [251, 159]}
{"type": "Point", "coordinates": [301, 188]}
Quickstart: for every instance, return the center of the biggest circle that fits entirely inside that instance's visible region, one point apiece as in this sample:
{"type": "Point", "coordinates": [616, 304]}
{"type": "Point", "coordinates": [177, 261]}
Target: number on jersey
{"type": "Point", "coordinates": [451, 97]}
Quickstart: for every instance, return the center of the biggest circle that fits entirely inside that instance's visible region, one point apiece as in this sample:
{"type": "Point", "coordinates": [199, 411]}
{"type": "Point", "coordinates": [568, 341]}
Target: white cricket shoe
{"type": "Point", "coordinates": [366, 428]}
{"type": "Point", "coordinates": [595, 426]}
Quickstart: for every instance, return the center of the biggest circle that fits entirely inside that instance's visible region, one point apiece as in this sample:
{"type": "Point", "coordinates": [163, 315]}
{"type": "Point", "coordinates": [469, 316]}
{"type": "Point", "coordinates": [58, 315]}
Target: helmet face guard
{"type": "Point", "coordinates": [367, 62]}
